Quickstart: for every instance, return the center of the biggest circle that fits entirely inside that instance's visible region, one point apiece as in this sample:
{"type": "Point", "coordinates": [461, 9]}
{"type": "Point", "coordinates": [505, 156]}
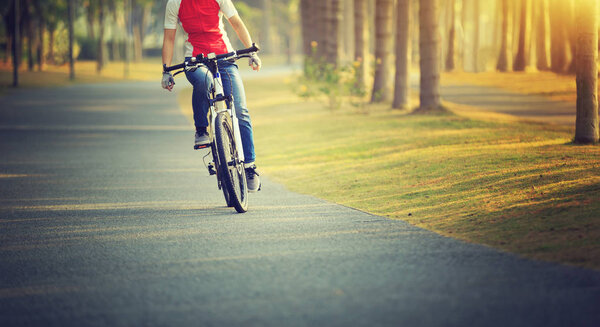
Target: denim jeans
{"type": "Point", "coordinates": [232, 84]}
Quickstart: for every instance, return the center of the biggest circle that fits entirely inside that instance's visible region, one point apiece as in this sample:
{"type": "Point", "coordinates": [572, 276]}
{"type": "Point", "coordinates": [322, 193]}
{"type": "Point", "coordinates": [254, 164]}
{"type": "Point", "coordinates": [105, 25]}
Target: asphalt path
{"type": "Point", "coordinates": [109, 218]}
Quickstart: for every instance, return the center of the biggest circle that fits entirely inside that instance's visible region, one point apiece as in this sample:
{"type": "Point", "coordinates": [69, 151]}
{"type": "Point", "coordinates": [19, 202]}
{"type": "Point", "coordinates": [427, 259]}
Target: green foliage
{"type": "Point", "coordinates": [336, 84]}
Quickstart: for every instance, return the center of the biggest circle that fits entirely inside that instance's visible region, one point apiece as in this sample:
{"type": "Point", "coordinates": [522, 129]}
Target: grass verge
{"type": "Point", "coordinates": [555, 86]}
{"type": "Point", "coordinates": [480, 177]}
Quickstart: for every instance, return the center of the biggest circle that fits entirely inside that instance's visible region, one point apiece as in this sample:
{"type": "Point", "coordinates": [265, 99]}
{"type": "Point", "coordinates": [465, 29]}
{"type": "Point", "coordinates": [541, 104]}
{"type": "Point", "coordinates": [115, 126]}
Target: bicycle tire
{"type": "Point", "coordinates": [220, 182]}
{"type": "Point", "coordinates": [233, 174]}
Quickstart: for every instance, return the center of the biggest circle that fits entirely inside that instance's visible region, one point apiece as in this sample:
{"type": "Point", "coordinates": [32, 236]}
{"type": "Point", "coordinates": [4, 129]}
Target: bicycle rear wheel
{"type": "Point", "coordinates": [232, 172]}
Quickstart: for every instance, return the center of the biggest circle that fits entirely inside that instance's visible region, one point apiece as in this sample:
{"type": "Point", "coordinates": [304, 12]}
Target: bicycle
{"type": "Point", "coordinates": [226, 142]}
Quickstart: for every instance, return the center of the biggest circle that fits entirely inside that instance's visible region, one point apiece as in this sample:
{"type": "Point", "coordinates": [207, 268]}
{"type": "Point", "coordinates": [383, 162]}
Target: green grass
{"type": "Point", "coordinates": [512, 185]}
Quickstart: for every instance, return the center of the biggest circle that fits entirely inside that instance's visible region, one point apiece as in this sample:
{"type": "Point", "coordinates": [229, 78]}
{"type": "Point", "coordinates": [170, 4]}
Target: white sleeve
{"type": "Point", "coordinates": [227, 8]}
{"type": "Point", "coordinates": [172, 14]}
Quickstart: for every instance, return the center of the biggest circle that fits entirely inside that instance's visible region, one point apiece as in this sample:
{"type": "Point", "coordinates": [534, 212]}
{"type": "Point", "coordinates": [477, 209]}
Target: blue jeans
{"type": "Point", "coordinates": [201, 79]}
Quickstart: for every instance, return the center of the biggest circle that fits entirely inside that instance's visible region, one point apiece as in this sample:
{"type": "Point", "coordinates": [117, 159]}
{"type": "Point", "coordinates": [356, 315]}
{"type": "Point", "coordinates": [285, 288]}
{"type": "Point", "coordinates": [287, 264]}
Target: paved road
{"type": "Point", "coordinates": [108, 218]}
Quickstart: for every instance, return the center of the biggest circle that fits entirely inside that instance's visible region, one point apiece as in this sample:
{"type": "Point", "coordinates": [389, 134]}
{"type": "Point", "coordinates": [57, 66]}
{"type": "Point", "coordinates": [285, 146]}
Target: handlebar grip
{"type": "Point", "coordinates": [253, 48]}
{"type": "Point", "coordinates": [180, 66]}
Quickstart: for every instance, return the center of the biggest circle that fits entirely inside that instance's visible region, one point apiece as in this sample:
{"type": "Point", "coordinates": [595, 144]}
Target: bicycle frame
{"type": "Point", "coordinates": [221, 103]}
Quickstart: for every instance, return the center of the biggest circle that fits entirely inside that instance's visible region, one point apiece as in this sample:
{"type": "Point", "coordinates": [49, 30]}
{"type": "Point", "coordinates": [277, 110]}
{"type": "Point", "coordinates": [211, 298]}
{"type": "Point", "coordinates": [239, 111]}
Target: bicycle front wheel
{"type": "Point", "coordinates": [233, 174]}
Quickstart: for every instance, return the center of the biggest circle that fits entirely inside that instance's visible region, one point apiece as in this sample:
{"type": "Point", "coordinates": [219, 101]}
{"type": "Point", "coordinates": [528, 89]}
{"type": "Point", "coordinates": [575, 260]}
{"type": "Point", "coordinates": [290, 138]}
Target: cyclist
{"type": "Point", "coordinates": [202, 23]}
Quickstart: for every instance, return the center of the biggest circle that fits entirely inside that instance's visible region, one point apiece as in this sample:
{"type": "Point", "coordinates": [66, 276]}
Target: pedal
{"type": "Point", "coordinates": [211, 169]}
{"type": "Point", "coordinates": [199, 147]}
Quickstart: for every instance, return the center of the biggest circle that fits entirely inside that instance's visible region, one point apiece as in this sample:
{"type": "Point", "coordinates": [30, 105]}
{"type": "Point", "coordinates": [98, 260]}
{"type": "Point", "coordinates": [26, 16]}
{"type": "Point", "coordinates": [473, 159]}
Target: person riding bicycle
{"type": "Point", "coordinates": [205, 33]}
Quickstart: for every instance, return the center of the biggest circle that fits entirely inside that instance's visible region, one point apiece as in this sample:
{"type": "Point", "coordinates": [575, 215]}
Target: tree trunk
{"type": "Point", "coordinates": [31, 39]}
{"type": "Point", "coordinates": [115, 50]}
{"type": "Point", "coordinates": [541, 46]}
{"type": "Point", "coordinates": [559, 41]}
{"type": "Point", "coordinates": [322, 28]}
{"type": "Point", "coordinates": [306, 21]}
{"type": "Point", "coordinates": [71, 18]}
{"type": "Point", "coordinates": [505, 38]}
{"type": "Point", "coordinates": [90, 20]}
{"type": "Point", "coordinates": [40, 48]}
{"type": "Point", "coordinates": [429, 52]}
{"type": "Point", "coordinates": [383, 43]}
{"type": "Point", "coordinates": [51, 31]}
{"type": "Point", "coordinates": [8, 49]}
{"type": "Point", "coordinates": [451, 55]}
{"type": "Point", "coordinates": [100, 56]}
{"type": "Point", "coordinates": [266, 40]}
{"type": "Point", "coordinates": [137, 43]}
{"type": "Point", "coordinates": [333, 32]}
{"type": "Point", "coordinates": [572, 36]}
{"type": "Point", "coordinates": [476, 33]}
{"type": "Point", "coordinates": [521, 58]}
{"type": "Point", "coordinates": [360, 40]}
{"type": "Point", "coordinates": [8, 27]}
{"type": "Point", "coordinates": [586, 126]}
{"type": "Point", "coordinates": [402, 80]}
{"type": "Point", "coordinates": [16, 42]}
{"type": "Point", "coordinates": [347, 30]}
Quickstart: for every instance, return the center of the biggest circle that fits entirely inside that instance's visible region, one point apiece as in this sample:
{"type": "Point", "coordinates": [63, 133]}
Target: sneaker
{"type": "Point", "coordinates": [252, 178]}
{"type": "Point", "coordinates": [202, 140]}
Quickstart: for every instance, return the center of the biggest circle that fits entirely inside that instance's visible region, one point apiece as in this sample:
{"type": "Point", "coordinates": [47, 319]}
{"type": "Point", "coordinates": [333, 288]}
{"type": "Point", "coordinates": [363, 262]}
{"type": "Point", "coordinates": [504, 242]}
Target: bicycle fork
{"type": "Point", "coordinates": [220, 106]}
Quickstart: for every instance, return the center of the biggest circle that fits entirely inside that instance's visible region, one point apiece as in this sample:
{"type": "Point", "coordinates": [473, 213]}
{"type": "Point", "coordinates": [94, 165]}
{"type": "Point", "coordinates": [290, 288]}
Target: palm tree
{"type": "Point", "coordinates": [476, 33]}
{"type": "Point", "coordinates": [100, 55]}
{"type": "Point", "coordinates": [402, 80]}
{"type": "Point", "coordinates": [504, 57]}
{"type": "Point", "coordinates": [429, 52]}
{"type": "Point", "coordinates": [71, 19]}
{"type": "Point", "coordinates": [333, 19]}
{"type": "Point", "coordinates": [586, 125]}
{"type": "Point", "coordinates": [451, 54]}
{"type": "Point", "coordinates": [541, 32]}
{"type": "Point", "coordinates": [558, 34]}
{"type": "Point", "coordinates": [521, 57]}
{"type": "Point", "coordinates": [360, 39]}
{"type": "Point", "coordinates": [16, 47]}
{"type": "Point", "coordinates": [266, 40]}
{"type": "Point", "coordinates": [383, 38]}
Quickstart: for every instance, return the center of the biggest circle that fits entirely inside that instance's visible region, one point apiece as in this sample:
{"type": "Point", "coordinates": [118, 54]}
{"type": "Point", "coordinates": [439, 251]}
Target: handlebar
{"type": "Point", "coordinates": [201, 58]}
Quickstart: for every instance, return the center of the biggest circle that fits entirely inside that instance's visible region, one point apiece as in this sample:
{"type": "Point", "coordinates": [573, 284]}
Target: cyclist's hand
{"type": "Point", "coordinates": [255, 62]}
{"type": "Point", "coordinates": [167, 81]}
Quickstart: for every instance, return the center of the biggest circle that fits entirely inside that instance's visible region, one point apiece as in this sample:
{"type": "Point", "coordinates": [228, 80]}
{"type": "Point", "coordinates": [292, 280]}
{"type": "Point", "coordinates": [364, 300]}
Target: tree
{"type": "Point", "coordinates": [360, 39]}
{"type": "Point", "coordinates": [29, 20]}
{"type": "Point", "coordinates": [429, 52]}
{"type": "Point", "coordinates": [505, 37]}
{"type": "Point", "coordinates": [100, 56]}
{"type": "Point", "coordinates": [521, 58]}
{"type": "Point", "coordinates": [558, 35]}
{"type": "Point", "coordinates": [586, 125]}
{"type": "Point", "coordinates": [402, 80]}
{"type": "Point", "coordinates": [266, 40]}
{"type": "Point", "coordinates": [70, 21]}
{"type": "Point", "coordinates": [16, 48]}
{"type": "Point", "coordinates": [383, 43]}
{"type": "Point", "coordinates": [541, 47]}
{"type": "Point", "coordinates": [112, 8]}
{"type": "Point", "coordinates": [476, 33]}
{"type": "Point", "coordinates": [451, 54]}
{"type": "Point", "coordinates": [333, 19]}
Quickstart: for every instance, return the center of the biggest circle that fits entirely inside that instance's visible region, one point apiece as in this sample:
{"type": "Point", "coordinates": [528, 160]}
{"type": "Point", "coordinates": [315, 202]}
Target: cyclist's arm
{"type": "Point", "coordinates": [240, 29]}
{"type": "Point", "coordinates": [168, 45]}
